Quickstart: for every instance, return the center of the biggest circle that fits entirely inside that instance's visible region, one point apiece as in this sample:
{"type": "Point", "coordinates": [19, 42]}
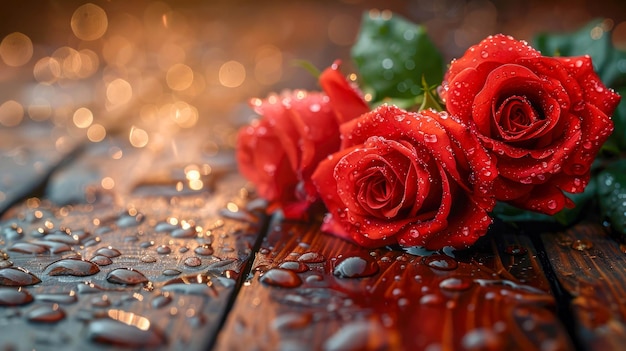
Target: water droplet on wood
{"type": "Point", "coordinates": [126, 276]}
{"type": "Point", "coordinates": [15, 276]}
{"type": "Point", "coordinates": [45, 314]}
{"type": "Point", "coordinates": [14, 297]}
{"type": "Point", "coordinates": [128, 332]}
{"type": "Point", "coordinates": [440, 262]}
{"type": "Point", "coordinates": [455, 284]}
{"type": "Point", "coordinates": [311, 257]}
{"type": "Point", "coordinates": [281, 278]}
{"type": "Point", "coordinates": [73, 267]}
{"type": "Point", "coordinates": [582, 244]}
{"type": "Point", "coordinates": [295, 266]}
{"type": "Point", "coordinates": [355, 266]}
{"type": "Point", "coordinates": [101, 260]}
{"type": "Point", "coordinates": [192, 261]}
{"type": "Point", "coordinates": [108, 252]}
{"type": "Point", "coordinates": [59, 298]}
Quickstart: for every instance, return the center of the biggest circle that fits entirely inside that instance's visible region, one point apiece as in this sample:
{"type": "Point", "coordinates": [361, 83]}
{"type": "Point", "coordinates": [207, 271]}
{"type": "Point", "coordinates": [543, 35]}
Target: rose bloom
{"type": "Point", "coordinates": [544, 119]}
{"type": "Point", "coordinates": [416, 179]}
{"type": "Point", "coordinates": [297, 129]}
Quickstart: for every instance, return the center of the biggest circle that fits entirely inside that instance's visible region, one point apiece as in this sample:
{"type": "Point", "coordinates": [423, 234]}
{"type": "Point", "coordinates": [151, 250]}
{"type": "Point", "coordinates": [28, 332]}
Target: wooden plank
{"type": "Point", "coordinates": [141, 264]}
{"type": "Point", "coordinates": [27, 156]}
{"type": "Point", "coordinates": [347, 298]}
{"type": "Point", "coordinates": [590, 265]}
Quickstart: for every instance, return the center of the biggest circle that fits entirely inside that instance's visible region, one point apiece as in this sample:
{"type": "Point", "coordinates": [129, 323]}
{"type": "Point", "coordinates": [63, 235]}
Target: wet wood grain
{"type": "Point", "coordinates": [591, 267]}
{"type": "Point", "coordinates": [490, 298]}
{"type": "Point", "coordinates": [28, 155]}
{"type": "Point", "coordinates": [142, 264]}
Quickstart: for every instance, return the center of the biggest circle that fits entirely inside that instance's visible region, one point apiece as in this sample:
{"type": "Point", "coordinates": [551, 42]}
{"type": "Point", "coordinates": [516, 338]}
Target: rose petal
{"type": "Point", "coordinates": [346, 100]}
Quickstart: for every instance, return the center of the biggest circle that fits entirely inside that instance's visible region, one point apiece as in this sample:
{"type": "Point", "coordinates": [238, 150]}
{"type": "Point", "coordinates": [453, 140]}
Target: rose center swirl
{"type": "Point", "coordinates": [516, 118]}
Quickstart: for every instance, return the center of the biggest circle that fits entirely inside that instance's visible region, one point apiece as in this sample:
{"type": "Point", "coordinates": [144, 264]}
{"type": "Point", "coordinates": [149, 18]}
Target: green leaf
{"type": "Point", "coordinates": [430, 100]}
{"type": "Point", "coordinates": [392, 55]}
{"type": "Point", "coordinates": [617, 140]}
{"type": "Point", "coordinates": [565, 217]}
{"type": "Point", "coordinates": [590, 40]}
{"type": "Point", "coordinates": [612, 195]}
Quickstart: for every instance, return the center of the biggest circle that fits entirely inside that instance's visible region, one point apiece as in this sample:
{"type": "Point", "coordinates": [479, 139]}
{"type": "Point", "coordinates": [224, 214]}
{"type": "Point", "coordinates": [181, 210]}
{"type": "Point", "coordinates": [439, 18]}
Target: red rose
{"type": "Point", "coordinates": [542, 118]}
{"type": "Point", "coordinates": [279, 152]}
{"type": "Point", "coordinates": [417, 179]}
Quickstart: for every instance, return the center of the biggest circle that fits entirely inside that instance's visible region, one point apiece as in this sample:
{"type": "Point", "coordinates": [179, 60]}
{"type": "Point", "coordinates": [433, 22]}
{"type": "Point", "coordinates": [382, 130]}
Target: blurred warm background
{"type": "Point", "coordinates": [148, 68]}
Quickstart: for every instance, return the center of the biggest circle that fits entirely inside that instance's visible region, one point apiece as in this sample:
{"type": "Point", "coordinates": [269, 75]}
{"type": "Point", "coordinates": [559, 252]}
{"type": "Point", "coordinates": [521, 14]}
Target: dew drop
{"type": "Point", "coordinates": [455, 284]}
{"type": "Point", "coordinates": [515, 250]}
{"type": "Point", "coordinates": [126, 276]}
{"type": "Point", "coordinates": [358, 335]}
{"type": "Point", "coordinates": [311, 257]}
{"type": "Point", "coordinates": [148, 259]}
{"type": "Point", "coordinates": [14, 297]}
{"type": "Point", "coordinates": [440, 262]}
{"type": "Point", "coordinates": [15, 276]}
{"type": "Point", "coordinates": [552, 204]}
{"type": "Point", "coordinates": [204, 250]}
{"type": "Point", "coordinates": [28, 248]}
{"type": "Point", "coordinates": [292, 321]}
{"type": "Point", "coordinates": [482, 339]}
{"type": "Point", "coordinates": [355, 266]}
{"type": "Point", "coordinates": [60, 298]}
{"type": "Point", "coordinates": [163, 250]}
{"type": "Point", "coordinates": [295, 266]}
{"type": "Point", "coordinates": [160, 301]}
{"type": "Point", "coordinates": [192, 261]}
{"type": "Point", "coordinates": [199, 284]}
{"type": "Point", "coordinates": [108, 252]}
{"type": "Point", "coordinates": [582, 244]}
{"type": "Point", "coordinates": [72, 267]}
{"type": "Point", "coordinates": [101, 260]}
{"type": "Point", "coordinates": [45, 314]}
{"type": "Point", "coordinates": [128, 330]}
{"type": "Point", "coordinates": [171, 272]}
{"type": "Point", "coordinates": [430, 138]}
{"type": "Point", "coordinates": [281, 278]}
{"type": "Point", "coordinates": [184, 233]}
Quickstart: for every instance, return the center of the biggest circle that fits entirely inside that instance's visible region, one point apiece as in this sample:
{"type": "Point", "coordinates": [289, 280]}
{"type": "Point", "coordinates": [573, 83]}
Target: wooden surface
{"type": "Point", "coordinates": [112, 246]}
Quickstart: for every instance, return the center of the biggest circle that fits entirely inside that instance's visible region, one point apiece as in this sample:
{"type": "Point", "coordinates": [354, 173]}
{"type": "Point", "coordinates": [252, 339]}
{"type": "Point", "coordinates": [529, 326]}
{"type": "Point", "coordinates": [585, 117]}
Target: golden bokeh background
{"type": "Point", "coordinates": [147, 68]}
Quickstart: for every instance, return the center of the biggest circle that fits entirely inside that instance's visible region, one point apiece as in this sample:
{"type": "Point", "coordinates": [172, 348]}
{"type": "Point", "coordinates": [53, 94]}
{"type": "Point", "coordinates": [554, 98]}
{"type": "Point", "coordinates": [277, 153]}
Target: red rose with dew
{"type": "Point", "coordinates": [416, 179]}
{"type": "Point", "coordinates": [297, 129]}
{"type": "Point", "coordinates": [542, 118]}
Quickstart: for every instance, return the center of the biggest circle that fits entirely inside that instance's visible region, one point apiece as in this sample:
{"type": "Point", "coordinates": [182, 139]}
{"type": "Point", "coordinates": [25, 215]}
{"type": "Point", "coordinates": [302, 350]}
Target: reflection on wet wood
{"type": "Point", "coordinates": [27, 156]}
{"type": "Point", "coordinates": [310, 291]}
{"type": "Point", "coordinates": [591, 267]}
{"type": "Point", "coordinates": [121, 268]}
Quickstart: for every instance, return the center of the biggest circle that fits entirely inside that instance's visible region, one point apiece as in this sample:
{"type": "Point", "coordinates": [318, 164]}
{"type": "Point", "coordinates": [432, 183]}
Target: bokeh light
{"type": "Point", "coordinates": [16, 49]}
{"type": "Point", "coordinates": [89, 22]}
{"type": "Point", "coordinates": [83, 118]}
{"type": "Point", "coordinates": [179, 77]}
{"type": "Point", "coordinates": [232, 74]}
{"type": "Point", "coordinates": [138, 137]}
{"type": "Point", "coordinates": [11, 113]}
